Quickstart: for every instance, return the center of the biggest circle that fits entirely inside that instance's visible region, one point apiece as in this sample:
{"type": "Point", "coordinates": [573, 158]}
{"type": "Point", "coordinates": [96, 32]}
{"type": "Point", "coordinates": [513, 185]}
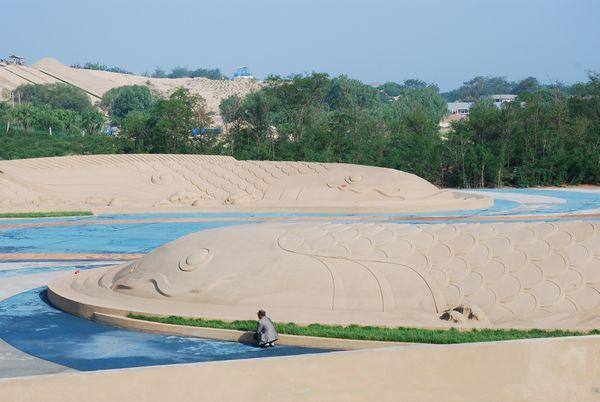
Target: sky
{"type": "Point", "coordinates": [442, 41]}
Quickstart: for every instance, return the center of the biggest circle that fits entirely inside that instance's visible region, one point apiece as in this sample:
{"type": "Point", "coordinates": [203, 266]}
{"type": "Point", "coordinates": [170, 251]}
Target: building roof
{"type": "Point", "coordinates": [459, 105]}
{"type": "Point", "coordinates": [507, 97]}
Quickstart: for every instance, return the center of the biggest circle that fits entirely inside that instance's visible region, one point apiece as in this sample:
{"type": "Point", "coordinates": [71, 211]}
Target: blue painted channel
{"type": "Point", "coordinates": [142, 237]}
{"type": "Point", "coordinates": [30, 324]}
{"type": "Point", "coordinates": [73, 266]}
{"type": "Point", "coordinates": [99, 239]}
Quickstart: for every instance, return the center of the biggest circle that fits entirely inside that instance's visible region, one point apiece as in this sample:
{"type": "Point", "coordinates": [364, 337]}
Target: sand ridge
{"type": "Point", "coordinates": [96, 83]}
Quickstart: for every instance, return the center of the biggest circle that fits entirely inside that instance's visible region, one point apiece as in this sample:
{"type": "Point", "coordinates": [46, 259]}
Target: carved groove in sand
{"type": "Point", "coordinates": [506, 270]}
{"type": "Point", "coordinates": [523, 274]}
{"type": "Point", "coordinates": [159, 181]}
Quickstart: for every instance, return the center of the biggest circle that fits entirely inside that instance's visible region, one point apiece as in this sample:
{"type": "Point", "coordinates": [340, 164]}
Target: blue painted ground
{"type": "Point", "coordinates": [38, 269]}
{"type": "Point", "coordinates": [575, 201]}
{"type": "Point", "coordinates": [99, 239]}
{"type": "Point", "coordinates": [142, 237]}
{"type": "Point", "coordinates": [28, 323]}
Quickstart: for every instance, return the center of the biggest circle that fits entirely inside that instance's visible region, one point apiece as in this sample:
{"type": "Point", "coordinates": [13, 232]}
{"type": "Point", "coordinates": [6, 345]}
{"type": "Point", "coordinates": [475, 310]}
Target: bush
{"type": "Point", "coordinates": [101, 67]}
{"type": "Point", "coordinates": [56, 96]}
{"type": "Point", "coordinates": [122, 100]}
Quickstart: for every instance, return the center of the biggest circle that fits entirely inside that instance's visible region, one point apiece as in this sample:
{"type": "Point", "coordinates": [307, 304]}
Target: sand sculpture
{"type": "Point", "coordinates": [149, 182]}
{"type": "Point", "coordinates": [528, 274]}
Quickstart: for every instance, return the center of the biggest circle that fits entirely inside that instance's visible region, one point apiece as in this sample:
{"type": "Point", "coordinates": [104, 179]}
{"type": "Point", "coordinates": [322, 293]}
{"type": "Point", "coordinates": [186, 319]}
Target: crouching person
{"type": "Point", "coordinates": [266, 334]}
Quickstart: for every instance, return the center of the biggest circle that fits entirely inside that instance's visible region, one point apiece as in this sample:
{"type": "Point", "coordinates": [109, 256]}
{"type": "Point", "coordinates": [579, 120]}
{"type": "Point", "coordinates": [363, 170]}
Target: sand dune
{"type": "Point", "coordinates": [97, 83]}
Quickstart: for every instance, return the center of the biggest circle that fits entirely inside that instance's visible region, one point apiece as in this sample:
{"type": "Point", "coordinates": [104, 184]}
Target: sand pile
{"type": "Point", "coordinates": [96, 83]}
{"type": "Point", "coordinates": [11, 76]}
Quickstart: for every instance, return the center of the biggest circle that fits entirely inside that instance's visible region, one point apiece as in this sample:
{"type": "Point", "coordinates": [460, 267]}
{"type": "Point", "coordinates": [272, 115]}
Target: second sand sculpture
{"type": "Point", "coordinates": [193, 181]}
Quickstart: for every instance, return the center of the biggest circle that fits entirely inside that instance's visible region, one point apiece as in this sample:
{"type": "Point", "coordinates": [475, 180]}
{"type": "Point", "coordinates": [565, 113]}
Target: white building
{"type": "Point", "coordinates": [499, 100]}
{"type": "Point", "coordinates": [463, 108]}
{"type": "Point", "coordinates": [459, 108]}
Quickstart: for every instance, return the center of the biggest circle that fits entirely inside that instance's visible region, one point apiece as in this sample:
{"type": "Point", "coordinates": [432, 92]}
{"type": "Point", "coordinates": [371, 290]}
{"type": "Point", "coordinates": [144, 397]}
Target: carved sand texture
{"type": "Point", "coordinates": [141, 182]}
{"type": "Point", "coordinates": [535, 274]}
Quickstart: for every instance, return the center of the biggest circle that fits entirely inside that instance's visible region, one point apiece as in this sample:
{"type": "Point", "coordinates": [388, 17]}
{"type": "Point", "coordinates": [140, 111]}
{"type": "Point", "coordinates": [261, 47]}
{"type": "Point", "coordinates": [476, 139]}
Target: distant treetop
{"type": "Point", "coordinates": [184, 72]}
{"type": "Point", "coordinates": [479, 87]}
{"type": "Point", "coordinates": [101, 67]}
{"type": "Point", "coordinates": [393, 89]}
{"type": "Point", "coordinates": [57, 96]}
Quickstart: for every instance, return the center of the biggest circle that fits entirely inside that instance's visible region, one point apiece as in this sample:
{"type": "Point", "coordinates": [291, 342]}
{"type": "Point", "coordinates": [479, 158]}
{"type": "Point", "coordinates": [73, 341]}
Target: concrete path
{"type": "Point", "coordinates": [14, 363]}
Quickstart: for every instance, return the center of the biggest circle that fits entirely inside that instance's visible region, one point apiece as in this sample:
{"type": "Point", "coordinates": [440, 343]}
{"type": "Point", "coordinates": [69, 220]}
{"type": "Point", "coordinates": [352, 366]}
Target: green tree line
{"type": "Point", "coordinates": [90, 65]}
{"type": "Point", "coordinates": [549, 136]}
{"type": "Point", "coordinates": [184, 72]}
{"type": "Point", "coordinates": [480, 86]}
{"type": "Point", "coordinates": [546, 137]}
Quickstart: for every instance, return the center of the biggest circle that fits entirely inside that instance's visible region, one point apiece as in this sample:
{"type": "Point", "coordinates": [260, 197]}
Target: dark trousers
{"type": "Point", "coordinates": [256, 337]}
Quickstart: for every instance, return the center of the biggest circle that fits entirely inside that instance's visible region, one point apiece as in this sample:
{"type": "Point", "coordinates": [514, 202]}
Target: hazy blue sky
{"type": "Point", "coordinates": [441, 41]}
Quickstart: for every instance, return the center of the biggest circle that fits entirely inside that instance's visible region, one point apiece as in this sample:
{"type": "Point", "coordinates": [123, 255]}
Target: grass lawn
{"type": "Point", "coordinates": [44, 214]}
{"type": "Point", "coordinates": [400, 334]}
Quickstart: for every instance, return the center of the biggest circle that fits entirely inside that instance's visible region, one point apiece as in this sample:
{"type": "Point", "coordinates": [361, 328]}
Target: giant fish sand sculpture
{"type": "Point", "coordinates": [526, 275]}
{"type": "Point", "coordinates": [193, 182]}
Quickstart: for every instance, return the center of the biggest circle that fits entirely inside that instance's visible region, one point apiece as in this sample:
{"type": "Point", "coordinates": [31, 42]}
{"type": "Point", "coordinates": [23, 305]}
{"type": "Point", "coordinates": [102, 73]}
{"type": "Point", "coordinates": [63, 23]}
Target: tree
{"type": "Point", "coordinates": [479, 86]}
{"type": "Point", "coordinates": [391, 89]}
{"type": "Point", "coordinates": [586, 98]}
{"type": "Point", "coordinates": [257, 134]}
{"type": "Point", "coordinates": [171, 121]}
{"type": "Point", "coordinates": [184, 72]}
{"type": "Point", "coordinates": [57, 96]}
{"type": "Point", "coordinates": [527, 85]}
{"type": "Point", "coordinates": [416, 84]}
{"type": "Point", "coordinates": [135, 128]}
{"type": "Point", "coordinates": [159, 73]}
{"type": "Point", "coordinates": [99, 66]}
{"type": "Point", "coordinates": [230, 109]}
{"type": "Point", "coordinates": [426, 99]}
{"type": "Point", "coordinates": [118, 102]}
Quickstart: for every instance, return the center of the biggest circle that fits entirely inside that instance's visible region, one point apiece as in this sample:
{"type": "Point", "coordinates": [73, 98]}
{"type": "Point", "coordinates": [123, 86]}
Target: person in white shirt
{"type": "Point", "coordinates": [266, 334]}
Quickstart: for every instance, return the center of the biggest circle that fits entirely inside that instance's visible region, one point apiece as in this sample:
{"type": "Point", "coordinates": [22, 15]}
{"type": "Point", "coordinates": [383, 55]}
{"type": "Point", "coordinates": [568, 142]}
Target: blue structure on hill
{"type": "Point", "coordinates": [242, 72]}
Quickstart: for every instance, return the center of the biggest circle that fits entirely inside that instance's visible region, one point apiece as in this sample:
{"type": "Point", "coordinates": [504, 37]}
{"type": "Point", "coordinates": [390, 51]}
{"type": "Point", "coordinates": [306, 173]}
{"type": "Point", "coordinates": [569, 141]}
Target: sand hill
{"type": "Point", "coordinates": [96, 83]}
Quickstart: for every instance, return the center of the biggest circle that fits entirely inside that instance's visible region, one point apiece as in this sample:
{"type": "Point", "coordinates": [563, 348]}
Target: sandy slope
{"type": "Point", "coordinates": [96, 83]}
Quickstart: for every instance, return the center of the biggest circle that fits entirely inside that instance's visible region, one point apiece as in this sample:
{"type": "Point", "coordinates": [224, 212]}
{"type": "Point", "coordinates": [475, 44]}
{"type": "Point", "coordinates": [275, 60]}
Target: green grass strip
{"type": "Point", "coordinates": [55, 214]}
{"type": "Point", "coordinates": [368, 333]}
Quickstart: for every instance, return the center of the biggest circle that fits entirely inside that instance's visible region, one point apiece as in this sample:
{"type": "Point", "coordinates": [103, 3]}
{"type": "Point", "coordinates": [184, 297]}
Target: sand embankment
{"type": "Point", "coordinates": [97, 83]}
{"type": "Point", "coordinates": [539, 370]}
